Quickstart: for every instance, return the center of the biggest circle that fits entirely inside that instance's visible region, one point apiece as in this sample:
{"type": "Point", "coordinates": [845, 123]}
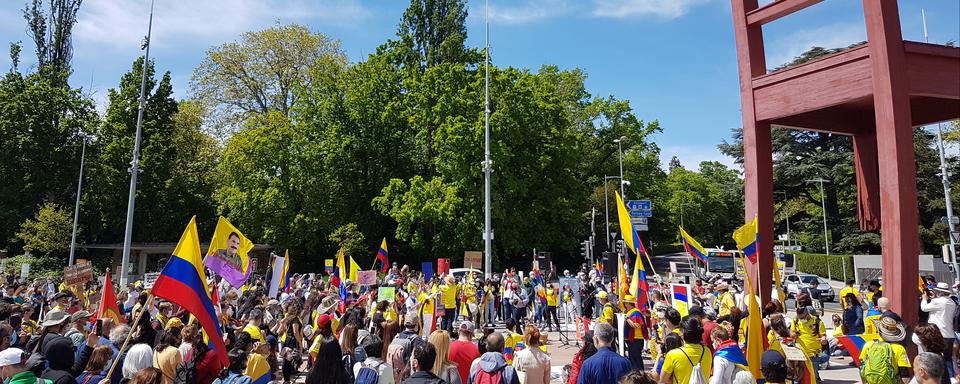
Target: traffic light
{"type": "Point", "coordinates": [585, 250]}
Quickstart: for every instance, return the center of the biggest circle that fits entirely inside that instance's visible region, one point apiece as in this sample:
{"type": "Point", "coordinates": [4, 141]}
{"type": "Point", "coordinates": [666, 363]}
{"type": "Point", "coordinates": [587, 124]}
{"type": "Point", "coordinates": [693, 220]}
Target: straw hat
{"type": "Point", "coordinates": [890, 329]}
{"type": "Point", "coordinates": [329, 303]}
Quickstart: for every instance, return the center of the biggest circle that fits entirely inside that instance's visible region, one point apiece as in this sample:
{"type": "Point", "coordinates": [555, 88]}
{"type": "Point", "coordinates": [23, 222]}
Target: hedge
{"type": "Point", "coordinates": [816, 263]}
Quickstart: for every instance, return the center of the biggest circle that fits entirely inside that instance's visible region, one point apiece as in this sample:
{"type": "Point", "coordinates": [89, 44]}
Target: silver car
{"type": "Point", "coordinates": [794, 283]}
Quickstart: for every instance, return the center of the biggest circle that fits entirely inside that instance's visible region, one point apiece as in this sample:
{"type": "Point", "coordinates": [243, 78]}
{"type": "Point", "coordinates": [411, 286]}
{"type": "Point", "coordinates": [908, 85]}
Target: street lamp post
{"type": "Point", "coordinates": [826, 238]}
{"type": "Point", "coordinates": [487, 163]}
{"type": "Point", "coordinates": [620, 155]}
{"type": "Point", "coordinates": [76, 207]}
{"type": "Point", "coordinates": [135, 163]}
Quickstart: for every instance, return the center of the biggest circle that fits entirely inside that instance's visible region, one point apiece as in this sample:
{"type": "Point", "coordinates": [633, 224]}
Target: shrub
{"type": "Point", "coordinates": [40, 266]}
{"type": "Point", "coordinates": [817, 264]}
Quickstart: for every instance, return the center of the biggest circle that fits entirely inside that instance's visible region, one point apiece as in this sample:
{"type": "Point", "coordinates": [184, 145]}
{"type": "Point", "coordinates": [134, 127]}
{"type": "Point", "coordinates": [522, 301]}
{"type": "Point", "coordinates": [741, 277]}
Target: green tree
{"type": "Point", "coordinates": [157, 204]}
{"type": "Point", "coordinates": [433, 32]}
{"type": "Point", "coordinates": [351, 240]}
{"type": "Point", "coordinates": [263, 72]}
{"type": "Point", "coordinates": [52, 33]}
{"type": "Point", "coordinates": [48, 233]}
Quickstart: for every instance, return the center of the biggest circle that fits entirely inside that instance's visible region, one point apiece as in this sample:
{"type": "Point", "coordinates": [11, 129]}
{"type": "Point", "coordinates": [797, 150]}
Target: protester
{"type": "Point", "coordinates": [532, 364]}
{"type": "Point", "coordinates": [463, 351]}
{"type": "Point", "coordinates": [588, 349]}
{"type": "Point", "coordinates": [941, 307]}
{"type": "Point", "coordinates": [442, 367]}
{"type": "Point", "coordinates": [773, 366]}
{"type": "Point", "coordinates": [234, 373]}
{"type": "Point", "coordinates": [852, 314]}
{"type": "Point", "coordinates": [670, 342]}
{"type": "Point", "coordinates": [377, 371]}
{"type": "Point", "coordinates": [928, 369]}
{"type": "Point", "coordinates": [635, 326]}
{"type": "Point", "coordinates": [606, 366]}
{"type": "Point", "coordinates": [140, 357]}
{"type": "Point", "coordinates": [679, 364]}
{"type": "Point", "coordinates": [94, 371]}
{"type": "Point", "coordinates": [492, 365]}
{"type": "Point", "coordinates": [422, 359]}
{"type": "Point", "coordinates": [875, 356]}
{"type": "Point", "coordinates": [810, 334]}
{"type": "Point", "coordinates": [166, 356]}
{"type": "Point", "coordinates": [13, 369]}
{"type": "Point", "coordinates": [149, 375]}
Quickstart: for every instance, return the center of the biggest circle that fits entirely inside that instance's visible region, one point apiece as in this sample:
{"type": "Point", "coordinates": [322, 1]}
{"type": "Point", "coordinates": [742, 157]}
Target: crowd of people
{"type": "Point", "coordinates": [446, 329]}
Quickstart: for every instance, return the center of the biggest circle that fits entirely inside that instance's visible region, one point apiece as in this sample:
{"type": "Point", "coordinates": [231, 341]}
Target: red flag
{"type": "Point", "coordinates": [108, 302]}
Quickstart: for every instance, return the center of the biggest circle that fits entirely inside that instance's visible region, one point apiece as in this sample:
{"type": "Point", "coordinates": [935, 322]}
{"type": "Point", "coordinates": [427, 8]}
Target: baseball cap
{"type": "Point", "coordinates": [11, 356]}
{"type": "Point", "coordinates": [410, 321]}
{"type": "Point", "coordinates": [602, 295]}
{"type": "Point", "coordinates": [323, 321]}
{"type": "Point", "coordinates": [467, 327]}
{"type": "Point", "coordinates": [696, 310]}
{"type": "Point", "coordinates": [772, 360]}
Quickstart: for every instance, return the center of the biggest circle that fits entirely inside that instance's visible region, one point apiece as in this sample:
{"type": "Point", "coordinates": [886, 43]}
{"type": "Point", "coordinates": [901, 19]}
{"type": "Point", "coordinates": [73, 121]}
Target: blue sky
{"type": "Point", "coordinates": [674, 60]}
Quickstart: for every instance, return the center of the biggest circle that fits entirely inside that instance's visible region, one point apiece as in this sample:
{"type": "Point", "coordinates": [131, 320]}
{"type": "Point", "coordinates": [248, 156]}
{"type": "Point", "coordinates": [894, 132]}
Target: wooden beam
{"type": "Point", "coordinates": [776, 10]}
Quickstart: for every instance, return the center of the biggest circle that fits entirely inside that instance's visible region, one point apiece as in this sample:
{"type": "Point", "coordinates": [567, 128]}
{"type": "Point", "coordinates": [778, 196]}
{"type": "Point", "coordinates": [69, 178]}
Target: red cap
{"type": "Point", "coordinates": [323, 321]}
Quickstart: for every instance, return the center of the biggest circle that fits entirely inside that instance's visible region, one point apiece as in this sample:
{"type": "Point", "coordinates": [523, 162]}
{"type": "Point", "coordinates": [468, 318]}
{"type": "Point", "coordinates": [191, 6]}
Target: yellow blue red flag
{"type": "Point", "coordinates": [755, 332]}
{"type": "Point", "coordinates": [638, 283]}
{"type": "Point", "coordinates": [692, 246]}
{"type": "Point", "coordinates": [747, 239]}
{"type": "Point", "coordinates": [258, 369]}
{"type": "Point", "coordinates": [382, 256]}
{"type": "Point", "coordinates": [184, 282]}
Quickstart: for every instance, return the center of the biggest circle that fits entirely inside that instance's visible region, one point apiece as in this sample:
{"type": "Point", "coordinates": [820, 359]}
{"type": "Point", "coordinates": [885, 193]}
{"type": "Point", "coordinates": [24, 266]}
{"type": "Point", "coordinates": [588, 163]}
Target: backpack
{"type": "Point", "coordinates": [368, 375]}
{"type": "Point", "coordinates": [878, 366]}
{"type": "Point", "coordinates": [347, 360]}
{"type": "Point", "coordinates": [956, 314]}
{"type": "Point", "coordinates": [398, 353]}
{"type": "Point", "coordinates": [696, 373]}
{"type": "Point", "coordinates": [185, 373]}
{"type": "Point", "coordinates": [484, 377]}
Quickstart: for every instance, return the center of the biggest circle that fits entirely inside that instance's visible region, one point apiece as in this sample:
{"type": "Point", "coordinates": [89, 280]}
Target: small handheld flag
{"type": "Point", "coordinates": [382, 256]}
{"type": "Point", "coordinates": [108, 302]}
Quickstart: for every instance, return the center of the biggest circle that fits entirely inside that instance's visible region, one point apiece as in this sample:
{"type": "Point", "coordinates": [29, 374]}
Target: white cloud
{"type": "Point", "coordinates": [665, 9]}
{"type": "Point", "coordinates": [123, 23]}
{"type": "Point", "coordinates": [528, 11]}
{"type": "Point", "coordinates": [691, 156]}
{"type": "Point", "coordinates": [783, 49]}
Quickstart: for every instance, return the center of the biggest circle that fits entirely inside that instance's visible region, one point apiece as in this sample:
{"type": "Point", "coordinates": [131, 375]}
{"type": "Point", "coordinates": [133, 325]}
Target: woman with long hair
{"type": "Point", "coordinates": [206, 361]}
{"type": "Point", "coordinates": [234, 373]}
{"type": "Point", "coordinates": [390, 330]}
{"type": "Point", "coordinates": [93, 373]}
{"type": "Point", "coordinates": [166, 356]}
{"type": "Point", "coordinates": [291, 338]}
{"type": "Point", "coordinates": [532, 363]}
{"type": "Point", "coordinates": [777, 332]}
{"type": "Point", "coordinates": [588, 349]}
{"type": "Point", "coordinates": [670, 342]}
{"type": "Point", "coordinates": [442, 366]}
{"type": "Point", "coordinates": [348, 344]}
{"type": "Point", "coordinates": [328, 365]}
{"type": "Point", "coordinates": [149, 375]}
{"type": "Point", "coordinates": [853, 315]}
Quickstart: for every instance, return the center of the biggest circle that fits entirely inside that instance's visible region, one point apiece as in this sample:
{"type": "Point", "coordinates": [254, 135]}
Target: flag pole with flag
{"type": "Point", "coordinates": [382, 256]}
{"type": "Point", "coordinates": [108, 302]}
{"type": "Point", "coordinates": [755, 332]}
{"type": "Point", "coordinates": [638, 283]}
{"type": "Point", "coordinates": [747, 237]}
{"type": "Point", "coordinates": [184, 282]}
{"type": "Point", "coordinates": [693, 247]}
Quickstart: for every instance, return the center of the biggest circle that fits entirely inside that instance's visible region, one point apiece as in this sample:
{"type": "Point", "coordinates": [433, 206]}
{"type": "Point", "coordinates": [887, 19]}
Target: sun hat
{"type": "Point", "coordinates": [467, 327]}
{"type": "Point", "coordinates": [80, 315]}
{"type": "Point", "coordinates": [329, 302]}
{"type": "Point", "coordinates": [410, 321]}
{"type": "Point", "coordinates": [890, 329]}
{"type": "Point", "coordinates": [54, 317]}
{"type": "Point", "coordinates": [943, 287]}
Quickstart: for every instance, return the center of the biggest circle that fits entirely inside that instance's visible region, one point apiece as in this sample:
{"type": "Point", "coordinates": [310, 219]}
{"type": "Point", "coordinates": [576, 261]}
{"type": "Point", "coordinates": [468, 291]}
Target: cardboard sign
{"type": "Point", "coordinates": [75, 274]}
{"type": "Point", "coordinates": [328, 266]}
{"type": "Point", "coordinates": [149, 279]}
{"type": "Point", "coordinates": [24, 270]}
{"type": "Point", "coordinates": [385, 293]}
{"type": "Point", "coordinates": [793, 353]}
{"type": "Point", "coordinates": [367, 277]}
{"type": "Point", "coordinates": [680, 295]}
{"type": "Point", "coordinates": [473, 259]}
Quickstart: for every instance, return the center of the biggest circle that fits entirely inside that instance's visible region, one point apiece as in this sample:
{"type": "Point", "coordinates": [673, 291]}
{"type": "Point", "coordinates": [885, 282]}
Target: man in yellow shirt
{"type": "Point", "coordinates": [892, 333]}
{"type": "Point", "coordinates": [552, 294]}
{"type": "Point", "coordinates": [254, 318]}
{"type": "Point", "coordinates": [427, 311]}
{"type": "Point", "coordinates": [607, 314]}
{"type": "Point", "coordinates": [725, 300]}
{"type": "Point", "coordinates": [810, 334]}
{"type": "Point", "coordinates": [448, 301]}
{"type": "Point", "coordinates": [848, 289]}
{"type": "Point", "coordinates": [678, 363]}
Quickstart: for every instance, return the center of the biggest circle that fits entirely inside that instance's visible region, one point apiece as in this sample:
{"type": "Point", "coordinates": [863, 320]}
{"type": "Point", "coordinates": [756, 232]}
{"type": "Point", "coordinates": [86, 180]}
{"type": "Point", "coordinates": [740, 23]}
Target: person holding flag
{"type": "Point", "coordinates": [636, 332]}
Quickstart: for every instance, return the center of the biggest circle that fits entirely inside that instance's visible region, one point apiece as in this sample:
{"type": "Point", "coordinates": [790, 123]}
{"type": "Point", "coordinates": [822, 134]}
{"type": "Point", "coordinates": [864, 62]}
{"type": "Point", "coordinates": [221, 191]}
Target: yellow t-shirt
{"type": "Point", "coordinates": [471, 293]}
{"type": "Point", "coordinates": [810, 332]}
{"type": "Point", "coordinates": [608, 314]}
{"type": "Point", "coordinates": [391, 314]}
{"type": "Point", "coordinates": [678, 365]}
{"type": "Point", "coordinates": [843, 294]}
{"type": "Point", "coordinates": [551, 297]}
{"type": "Point", "coordinates": [427, 303]}
{"type": "Point", "coordinates": [255, 333]}
{"type": "Point", "coordinates": [448, 295]}
{"type": "Point", "coordinates": [727, 302]}
{"type": "Point", "coordinates": [899, 353]}
{"type": "Point", "coordinates": [774, 341]}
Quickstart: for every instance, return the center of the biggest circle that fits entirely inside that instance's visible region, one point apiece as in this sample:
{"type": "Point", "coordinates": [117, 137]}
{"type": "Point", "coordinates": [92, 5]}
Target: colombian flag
{"type": "Point", "coordinates": [638, 283]}
{"type": "Point", "coordinates": [692, 246]}
{"type": "Point", "coordinates": [284, 283]}
{"type": "Point", "coordinates": [184, 282]}
{"type": "Point", "coordinates": [747, 238]}
{"type": "Point", "coordinates": [108, 302]}
{"type": "Point", "coordinates": [756, 335]}
{"type": "Point", "coordinates": [258, 369]}
{"type": "Point", "coordinates": [382, 256]}
{"type": "Point", "coordinates": [854, 344]}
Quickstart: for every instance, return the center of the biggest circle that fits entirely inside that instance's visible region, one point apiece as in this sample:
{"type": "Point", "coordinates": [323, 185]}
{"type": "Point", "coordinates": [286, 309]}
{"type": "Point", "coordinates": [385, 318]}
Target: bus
{"type": "Point", "coordinates": [724, 263]}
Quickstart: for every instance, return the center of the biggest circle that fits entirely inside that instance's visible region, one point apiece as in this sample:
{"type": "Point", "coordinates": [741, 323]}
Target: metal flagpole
{"type": "Point", "coordinates": [135, 163]}
{"type": "Point", "coordinates": [76, 208]}
{"type": "Point", "coordinates": [487, 164]}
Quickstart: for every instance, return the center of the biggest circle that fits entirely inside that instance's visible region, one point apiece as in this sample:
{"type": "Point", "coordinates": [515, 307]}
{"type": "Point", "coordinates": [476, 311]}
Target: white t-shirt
{"type": "Point", "coordinates": [385, 370]}
{"type": "Point", "coordinates": [132, 297]}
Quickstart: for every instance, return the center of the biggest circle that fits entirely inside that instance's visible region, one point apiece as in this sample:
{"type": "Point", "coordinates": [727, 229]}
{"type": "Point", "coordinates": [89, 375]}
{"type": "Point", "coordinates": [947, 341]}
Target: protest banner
{"type": "Point", "coordinates": [75, 274]}
{"type": "Point", "coordinates": [228, 254]}
{"type": "Point", "coordinates": [367, 277]}
{"type": "Point", "coordinates": [385, 293]}
{"type": "Point", "coordinates": [149, 279]}
{"type": "Point", "coordinates": [328, 266]}
{"type": "Point", "coordinates": [473, 259]}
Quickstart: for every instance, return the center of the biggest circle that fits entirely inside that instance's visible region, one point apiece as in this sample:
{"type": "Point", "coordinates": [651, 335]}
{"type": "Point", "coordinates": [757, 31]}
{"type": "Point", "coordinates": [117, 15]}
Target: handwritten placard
{"type": "Point", "coordinates": [367, 277]}
{"type": "Point", "coordinates": [78, 274]}
{"type": "Point", "coordinates": [386, 293]}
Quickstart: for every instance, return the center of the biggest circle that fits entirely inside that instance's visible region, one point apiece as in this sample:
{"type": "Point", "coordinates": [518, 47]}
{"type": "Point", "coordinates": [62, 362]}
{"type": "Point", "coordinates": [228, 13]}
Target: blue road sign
{"type": "Point", "coordinates": [641, 213]}
{"type": "Point", "coordinates": [639, 205]}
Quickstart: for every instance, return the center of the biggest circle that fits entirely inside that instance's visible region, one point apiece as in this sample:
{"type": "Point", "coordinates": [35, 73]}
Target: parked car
{"type": "Point", "coordinates": [794, 283]}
